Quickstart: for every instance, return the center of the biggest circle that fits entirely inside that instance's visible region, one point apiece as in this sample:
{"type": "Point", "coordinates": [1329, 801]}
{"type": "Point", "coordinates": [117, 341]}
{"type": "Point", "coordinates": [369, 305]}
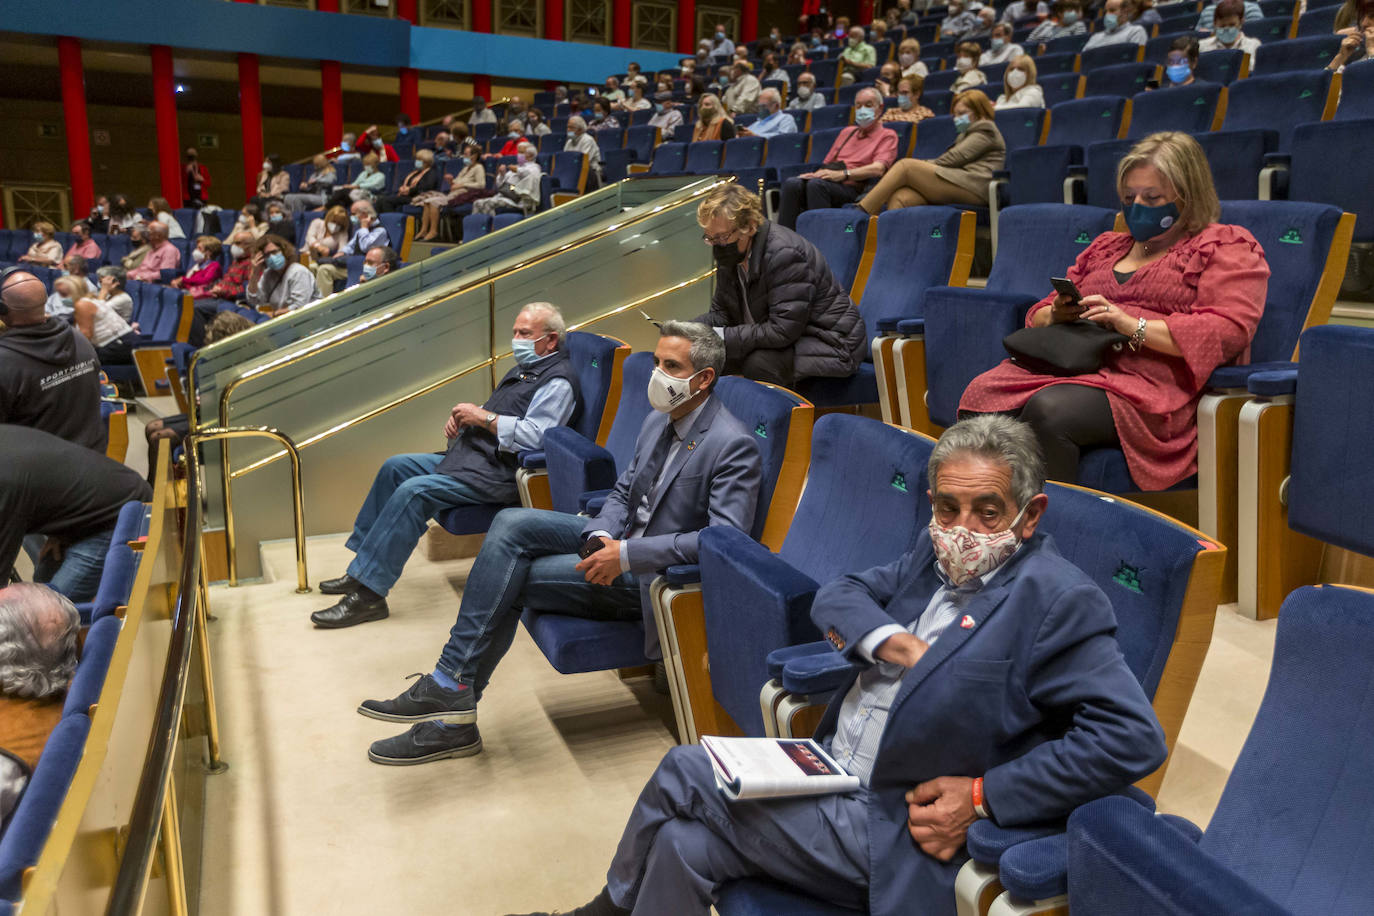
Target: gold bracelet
{"type": "Point", "coordinates": [1138, 338]}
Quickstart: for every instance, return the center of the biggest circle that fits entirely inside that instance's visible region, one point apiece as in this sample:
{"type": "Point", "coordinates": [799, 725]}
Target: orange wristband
{"type": "Point", "coordinates": [978, 806]}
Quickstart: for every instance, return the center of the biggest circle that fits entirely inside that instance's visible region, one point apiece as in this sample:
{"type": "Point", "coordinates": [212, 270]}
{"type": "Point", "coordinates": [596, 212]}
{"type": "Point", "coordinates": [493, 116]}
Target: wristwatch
{"type": "Point", "coordinates": [491, 420]}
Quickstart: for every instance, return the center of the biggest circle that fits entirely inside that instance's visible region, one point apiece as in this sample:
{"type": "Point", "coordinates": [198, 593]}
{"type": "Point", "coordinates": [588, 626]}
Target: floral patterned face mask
{"type": "Point", "coordinates": [964, 554]}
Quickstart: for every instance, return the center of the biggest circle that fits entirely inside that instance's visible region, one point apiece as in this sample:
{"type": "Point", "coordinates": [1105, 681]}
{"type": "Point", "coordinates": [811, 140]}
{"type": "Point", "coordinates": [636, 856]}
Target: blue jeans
{"type": "Point", "coordinates": [77, 575]}
{"type": "Point", "coordinates": [684, 839]}
{"type": "Point", "coordinates": [528, 559]}
{"type": "Point", "coordinates": [405, 495]}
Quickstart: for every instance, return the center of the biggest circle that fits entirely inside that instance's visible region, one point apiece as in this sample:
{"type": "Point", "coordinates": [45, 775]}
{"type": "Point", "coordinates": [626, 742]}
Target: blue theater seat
{"type": "Point", "coordinates": [839, 235]}
{"type": "Point", "coordinates": [33, 817]}
{"type": "Point", "coordinates": [1315, 147]}
{"type": "Point", "coordinates": [1357, 91]}
{"type": "Point", "coordinates": [1036, 174]}
{"type": "Point", "coordinates": [84, 690]}
{"type": "Point", "coordinates": [1296, 54]}
{"type": "Point", "coordinates": [1119, 79]}
{"type": "Point", "coordinates": [1221, 66]}
{"type": "Point", "coordinates": [1020, 127]}
{"type": "Point", "coordinates": [476, 225]}
{"type": "Point", "coordinates": [703, 156]}
{"type": "Point", "coordinates": [1108, 56]}
{"type": "Point", "coordinates": [668, 159]}
{"type": "Point", "coordinates": [830, 116]}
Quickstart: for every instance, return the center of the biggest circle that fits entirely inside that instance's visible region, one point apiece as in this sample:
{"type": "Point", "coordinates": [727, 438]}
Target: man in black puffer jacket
{"type": "Point", "coordinates": [780, 310]}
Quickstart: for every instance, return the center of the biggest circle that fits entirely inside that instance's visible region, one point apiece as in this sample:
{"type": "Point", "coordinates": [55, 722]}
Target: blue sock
{"type": "Point", "coordinates": [444, 679]}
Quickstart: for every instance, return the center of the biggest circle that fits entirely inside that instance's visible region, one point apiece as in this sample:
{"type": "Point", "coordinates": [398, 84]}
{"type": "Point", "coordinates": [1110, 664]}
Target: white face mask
{"type": "Point", "coordinates": [331, 228]}
{"type": "Point", "coordinates": [1016, 78]}
{"type": "Point", "coordinates": [197, 256]}
{"type": "Point", "coordinates": [966, 555]}
{"type": "Point", "coordinates": [236, 251]}
{"type": "Point", "coordinates": [667, 392]}
{"type": "Point", "coordinates": [964, 63]}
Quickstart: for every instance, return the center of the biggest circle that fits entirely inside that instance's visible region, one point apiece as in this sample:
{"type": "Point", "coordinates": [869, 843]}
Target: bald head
{"type": "Point", "coordinates": [25, 296]}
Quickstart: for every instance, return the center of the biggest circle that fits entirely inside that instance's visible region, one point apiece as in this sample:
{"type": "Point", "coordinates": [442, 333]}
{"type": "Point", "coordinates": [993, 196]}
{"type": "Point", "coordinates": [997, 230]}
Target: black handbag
{"type": "Point", "coordinates": [1067, 348]}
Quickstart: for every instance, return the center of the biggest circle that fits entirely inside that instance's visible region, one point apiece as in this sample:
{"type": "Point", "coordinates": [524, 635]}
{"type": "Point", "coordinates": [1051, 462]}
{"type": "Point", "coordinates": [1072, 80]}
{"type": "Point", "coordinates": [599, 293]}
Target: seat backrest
{"type": "Point", "coordinates": [476, 225]}
{"type": "Point", "coordinates": [1067, 44]}
{"type": "Point", "coordinates": [1220, 66]}
{"type": "Point", "coordinates": [934, 136]}
{"type": "Point", "coordinates": [839, 235]}
{"type": "Point", "coordinates": [608, 139]}
{"type": "Point", "coordinates": [500, 221]}
{"type": "Point", "coordinates": [916, 249]}
{"type": "Point", "coordinates": [1049, 64]}
{"type": "Point", "coordinates": [1332, 418]}
{"type": "Point", "coordinates": [1277, 102]}
{"type": "Point", "coordinates": [1297, 239]}
{"type": "Point", "coordinates": [769, 411]}
{"type": "Point", "coordinates": [1020, 127]}
{"type": "Point", "coordinates": [84, 689]}
{"type": "Point", "coordinates": [1314, 730]}
{"type": "Point", "coordinates": [825, 72]}
{"type": "Point", "coordinates": [1321, 21]}
{"type": "Point", "coordinates": [1086, 120]}
{"type": "Point", "coordinates": [186, 216]}
{"type": "Point", "coordinates": [1296, 54]}
{"type": "Point", "coordinates": [821, 142]}
{"type": "Point", "coordinates": [703, 156]}
{"type": "Point", "coordinates": [593, 359]}
{"type": "Point", "coordinates": [227, 218]}
{"type": "Point", "coordinates": [669, 157]}
{"type": "Point", "coordinates": [549, 143]}
{"type": "Point", "coordinates": [1061, 87]}
{"type": "Point", "coordinates": [568, 170]}
{"type": "Point", "coordinates": [395, 226]}
{"type": "Point", "coordinates": [631, 408]}
{"type": "Point", "coordinates": [828, 116]}
{"type": "Point", "coordinates": [1157, 48]}
{"type": "Point", "coordinates": [1357, 91]}
{"type": "Point", "coordinates": [1119, 79]}
{"type": "Point", "coordinates": [743, 153]}
{"type": "Point", "coordinates": [1108, 56]}
{"type": "Point", "coordinates": [1271, 28]}
{"type": "Point", "coordinates": [641, 138]}
{"type": "Point", "coordinates": [32, 820]}
{"type": "Point", "coordinates": [1039, 241]}
{"type": "Point", "coordinates": [786, 149]}
{"type": "Point", "coordinates": [1190, 109]}
{"type": "Point", "coordinates": [1314, 148]}
{"type": "Point", "coordinates": [845, 95]}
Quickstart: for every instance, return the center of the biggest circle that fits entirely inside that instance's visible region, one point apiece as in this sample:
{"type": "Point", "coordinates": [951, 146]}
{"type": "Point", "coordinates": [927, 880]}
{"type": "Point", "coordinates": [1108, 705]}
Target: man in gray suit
{"type": "Point", "coordinates": [694, 465]}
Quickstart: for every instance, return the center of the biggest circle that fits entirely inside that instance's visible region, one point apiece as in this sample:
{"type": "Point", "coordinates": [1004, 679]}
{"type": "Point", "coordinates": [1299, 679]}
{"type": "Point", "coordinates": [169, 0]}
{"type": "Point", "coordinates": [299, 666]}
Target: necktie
{"type": "Point", "coordinates": [648, 474]}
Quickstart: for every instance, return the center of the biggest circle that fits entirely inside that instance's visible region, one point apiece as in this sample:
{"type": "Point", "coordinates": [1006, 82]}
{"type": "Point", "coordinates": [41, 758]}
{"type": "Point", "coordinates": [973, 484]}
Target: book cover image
{"type": "Point", "coordinates": [805, 758]}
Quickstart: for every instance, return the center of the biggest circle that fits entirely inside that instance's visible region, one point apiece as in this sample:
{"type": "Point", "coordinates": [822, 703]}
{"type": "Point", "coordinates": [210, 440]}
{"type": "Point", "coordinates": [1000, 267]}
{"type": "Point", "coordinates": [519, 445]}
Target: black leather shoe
{"type": "Point", "coordinates": [601, 905]}
{"type": "Point", "coordinates": [426, 701]}
{"type": "Point", "coordinates": [343, 585]}
{"type": "Point", "coordinates": [351, 610]}
{"type": "Point", "coordinates": [425, 742]}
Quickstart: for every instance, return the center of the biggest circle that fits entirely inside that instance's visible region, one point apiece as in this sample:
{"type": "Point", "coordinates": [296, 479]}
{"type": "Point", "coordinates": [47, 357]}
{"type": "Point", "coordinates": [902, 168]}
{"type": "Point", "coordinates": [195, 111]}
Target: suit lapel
{"type": "Point", "coordinates": [690, 444]}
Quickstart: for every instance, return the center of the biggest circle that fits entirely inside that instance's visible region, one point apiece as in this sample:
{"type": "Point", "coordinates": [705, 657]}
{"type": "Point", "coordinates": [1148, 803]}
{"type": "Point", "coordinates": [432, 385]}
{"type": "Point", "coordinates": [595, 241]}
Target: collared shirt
{"type": "Point", "coordinates": [1126, 33]}
{"type": "Point", "coordinates": [857, 150]}
{"type": "Point", "coordinates": [861, 55]}
{"type": "Point", "coordinates": [163, 257]}
{"type": "Point", "coordinates": [725, 49]}
{"type": "Point", "coordinates": [365, 239]}
{"type": "Point", "coordinates": [773, 125]}
{"type": "Point", "coordinates": [585, 144]}
{"type": "Point", "coordinates": [87, 249]}
{"type": "Point", "coordinates": [667, 122]}
{"type": "Point", "coordinates": [864, 712]}
{"type": "Point", "coordinates": [1049, 30]}
{"type": "Point", "coordinates": [814, 100]}
{"type": "Point", "coordinates": [551, 405]}
{"type": "Point", "coordinates": [1020, 9]}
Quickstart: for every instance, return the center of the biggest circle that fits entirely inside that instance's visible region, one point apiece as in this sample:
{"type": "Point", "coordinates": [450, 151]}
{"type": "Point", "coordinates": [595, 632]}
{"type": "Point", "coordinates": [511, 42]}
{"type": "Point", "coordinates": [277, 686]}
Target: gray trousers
{"type": "Point", "coordinates": [684, 839]}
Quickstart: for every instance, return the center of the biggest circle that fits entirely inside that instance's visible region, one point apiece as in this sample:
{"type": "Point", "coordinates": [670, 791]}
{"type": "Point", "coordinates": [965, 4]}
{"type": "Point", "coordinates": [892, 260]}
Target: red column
{"type": "Point", "coordinates": [78, 130]}
{"type": "Point", "coordinates": [410, 77]}
{"type": "Point", "coordinates": [620, 23]}
{"type": "Point", "coordinates": [749, 20]}
{"type": "Point", "coordinates": [553, 19]}
{"type": "Point", "coordinates": [250, 116]}
{"type": "Point", "coordinates": [165, 112]}
{"type": "Point", "coordinates": [331, 92]}
{"type": "Point", "coordinates": [686, 27]}
{"type": "Point", "coordinates": [481, 22]}
{"type": "Point", "coordinates": [865, 11]}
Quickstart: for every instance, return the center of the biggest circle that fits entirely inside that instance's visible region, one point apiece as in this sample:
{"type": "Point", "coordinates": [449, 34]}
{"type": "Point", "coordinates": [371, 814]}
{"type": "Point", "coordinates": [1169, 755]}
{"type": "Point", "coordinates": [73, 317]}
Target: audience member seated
{"type": "Point", "coordinates": [635, 101]}
{"type": "Point", "coordinates": [1185, 290]}
{"type": "Point", "coordinates": [959, 20]}
{"type": "Point", "coordinates": [368, 233]}
{"type": "Point", "coordinates": [205, 269]}
{"type": "Point", "coordinates": [1033, 716]}
{"type": "Point", "coordinates": [713, 123]}
{"type": "Point", "coordinates": [278, 219]}
{"type": "Point", "coordinates": [46, 251]}
{"type": "Point", "coordinates": [162, 212]}
{"type": "Point", "coordinates": [1066, 18]}
{"type": "Point", "coordinates": [1227, 34]}
{"type": "Point", "coordinates": [162, 255]}
{"type": "Point", "coordinates": [877, 30]}
{"type": "Point", "coordinates": [772, 70]}
{"type": "Point", "coordinates": [61, 302]}
{"type": "Point", "coordinates": [39, 638]}
{"type": "Point", "coordinates": [1206, 20]}
{"type": "Point", "coordinates": [83, 245]}
{"type": "Point", "coordinates": [602, 117]}
{"type": "Point", "coordinates": [772, 119]}
{"type": "Point", "coordinates": [105, 319]}
{"type": "Point", "coordinates": [722, 49]}
{"type": "Point", "coordinates": [579, 141]}
{"type": "Point", "coordinates": [1001, 49]}
{"type": "Point", "coordinates": [1020, 87]}
{"type": "Point", "coordinates": [515, 135]}
{"type": "Point", "coordinates": [195, 181]}
{"type": "Point", "coordinates": [666, 117]}
{"type": "Point", "coordinates": [1144, 14]}
{"type": "Point", "coordinates": [67, 493]}
{"type": "Point", "coordinates": [909, 107]}
{"type": "Point", "coordinates": [599, 567]}
{"type": "Point", "coordinates": [909, 59]}
{"type": "Point", "coordinates": [49, 377]}
{"type": "Point", "coordinates": [123, 216]}
{"type": "Point", "coordinates": [250, 218]}
{"type": "Point", "coordinates": [743, 95]}
{"type": "Point", "coordinates": [77, 267]}
{"type": "Point", "coordinates": [861, 153]}
{"type": "Point", "coordinates": [888, 74]}
{"type": "Point", "coordinates": [516, 188]}
{"type": "Point", "coordinates": [422, 178]}
{"type": "Point", "coordinates": [858, 55]}
{"type": "Point", "coordinates": [1117, 27]}
{"type": "Point", "coordinates": [481, 114]}
{"type": "Point", "coordinates": [99, 217]}
{"type": "Point", "coordinates": [536, 127]}
{"type": "Point", "coordinates": [1024, 9]}
{"type": "Point", "coordinates": [230, 286]}
{"type": "Point", "coordinates": [469, 184]}
{"type": "Point", "coordinates": [1356, 47]}
{"type": "Point", "coordinates": [959, 175]}
{"type": "Point", "coordinates": [278, 280]}
{"type": "Point", "coordinates": [1180, 62]}
{"type": "Point", "coordinates": [987, 20]}
{"type": "Point", "coordinates": [797, 54]}
{"type": "Point", "coordinates": [372, 140]}
{"type": "Point", "coordinates": [967, 65]}
{"type": "Point", "coordinates": [326, 234]}
{"type": "Point", "coordinates": [611, 92]}
{"type": "Point", "coordinates": [807, 98]}
{"type": "Point", "coordinates": [379, 261]}
{"type": "Point", "coordinates": [273, 181]}
{"type": "Point", "coordinates": [779, 309]}
{"type": "Point", "coordinates": [347, 151]}
{"type": "Point", "coordinates": [371, 181]}
{"type": "Point", "coordinates": [139, 248]}
{"type": "Point", "coordinates": [315, 188]}
{"type": "Point", "coordinates": [478, 466]}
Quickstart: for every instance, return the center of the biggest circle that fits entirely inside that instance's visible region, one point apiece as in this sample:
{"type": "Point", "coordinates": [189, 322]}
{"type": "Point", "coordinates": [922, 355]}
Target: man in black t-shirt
{"type": "Point", "coordinates": [49, 374]}
{"type": "Point", "coordinates": [69, 493]}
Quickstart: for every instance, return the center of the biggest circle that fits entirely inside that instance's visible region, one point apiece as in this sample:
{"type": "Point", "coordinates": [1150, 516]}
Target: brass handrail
{"type": "Point", "coordinates": [243, 432]}
{"type": "Point", "coordinates": [454, 114]}
{"type": "Point", "coordinates": [434, 386]}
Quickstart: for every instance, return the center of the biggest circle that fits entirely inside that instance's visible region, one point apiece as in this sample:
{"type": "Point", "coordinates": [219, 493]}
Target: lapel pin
{"type": "Point", "coordinates": [967, 623]}
{"type": "Point", "coordinates": [691, 445]}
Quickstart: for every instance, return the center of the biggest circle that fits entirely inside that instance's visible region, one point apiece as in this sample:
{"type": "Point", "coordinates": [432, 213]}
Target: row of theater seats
{"type": "Point", "coordinates": [102, 620]}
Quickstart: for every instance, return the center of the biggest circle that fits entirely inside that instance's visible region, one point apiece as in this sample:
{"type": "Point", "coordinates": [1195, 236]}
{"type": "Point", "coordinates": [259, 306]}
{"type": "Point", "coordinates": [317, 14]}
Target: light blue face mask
{"type": "Point", "coordinates": [997, 43]}
{"type": "Point", "coordinates": [1227, 35]}
{"type": "Point", "coordinates": [369, 271]}
{"type": "Point", "coordinates": [1110, 21]}
{"type": "Point", "coordinates": [961, 123]}
{"type": "Point", "coordinates": [903, 101]}
{"type": "Point", "coordinates": [38, 236]}
{"type": "Point", "coordinates": [523, 350]}
{"type": "Point", "coordinates": [864, 115]}
{"type": "Point", "coordinates": [419, 165]}
{"type": "Point", "coordinates": [1177, 73]}
{"type": "Point", "coordinates": [276, 261]}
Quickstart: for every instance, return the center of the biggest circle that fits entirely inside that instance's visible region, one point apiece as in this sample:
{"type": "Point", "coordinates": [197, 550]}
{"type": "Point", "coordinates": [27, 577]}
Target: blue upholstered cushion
{"type": "Point", "coordinates": [767, 412]}
{"type": "Point", "coordinates": [1273, 384]}
{"type": "Point", "coordinates": [1238, 376]}
{"type": "Point", "coordinates": [687, 574]}
{"type": "Point", "coordinates": [574, 645]}
{"type": "Point", "coordinates": [116, 580]}
{"type": "Point", "coordinates": [127, 525]}
{"type": "Point", "coordinates": [812, 675]}
{"type": "Point", "coordinates": [964, 331]}
{"type": "Point", "coordinates": [988, 841]}
{"type": "Point", "coordinates": [887, 325]}
{"type": "Point", "coordinates": [592, 501]}
{"type": "Point", "coordinates": [761, 897]}
{"type": "Point", "coordinates": [859, 388]}
{"type": "Point", "coordinates": [1105, 469]}
{"type": "Point", "coordinates": [32, 820]}
{"type": "Point", "coordinates": [532, 459]}
{"type": "Point", "coordinates": [86, 684]}
{"type": "Point", "coordinates": [576, 465]}
{"type": "Point", "coordinates": [470, 519]}
{"type": "Point", "coordinates": [778, 658]}
{"type": "Point", "coordinates": [911, 327]}
{"type": "Point", "coordinates": [1036, 869]}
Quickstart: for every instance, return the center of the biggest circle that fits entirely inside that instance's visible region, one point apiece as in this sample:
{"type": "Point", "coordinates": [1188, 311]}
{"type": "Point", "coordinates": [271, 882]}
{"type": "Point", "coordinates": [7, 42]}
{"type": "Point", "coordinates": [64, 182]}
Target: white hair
{"type": "Point", "coordinates": [528, 149]}
{"type": "Point", "coordinates": [551, 315]}
{"type": "Point", "coordinates": [38, 629]}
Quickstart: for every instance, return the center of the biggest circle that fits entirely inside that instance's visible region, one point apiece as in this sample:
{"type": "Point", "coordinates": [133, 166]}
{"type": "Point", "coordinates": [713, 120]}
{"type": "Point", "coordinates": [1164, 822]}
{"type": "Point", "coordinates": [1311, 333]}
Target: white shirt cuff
{"type": "Point", "coordinates": [874, 638]}
{"type": "Point", "coordinates": [505, 432]}
{"type": "Point", "coordinates": [624, 555]}
{"type": "Point", "coordinates": [720, 332]}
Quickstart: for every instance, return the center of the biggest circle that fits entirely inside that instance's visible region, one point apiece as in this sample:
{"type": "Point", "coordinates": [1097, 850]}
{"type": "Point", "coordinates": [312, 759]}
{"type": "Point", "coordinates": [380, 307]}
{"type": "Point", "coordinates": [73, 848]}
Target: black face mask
{"type": "Point", "coordinates": [727, 255]}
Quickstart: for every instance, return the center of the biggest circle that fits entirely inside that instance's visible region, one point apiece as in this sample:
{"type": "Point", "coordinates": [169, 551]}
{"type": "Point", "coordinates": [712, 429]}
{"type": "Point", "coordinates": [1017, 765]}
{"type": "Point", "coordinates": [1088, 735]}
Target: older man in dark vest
{"type": "Point", "coordinates": [478, 467]}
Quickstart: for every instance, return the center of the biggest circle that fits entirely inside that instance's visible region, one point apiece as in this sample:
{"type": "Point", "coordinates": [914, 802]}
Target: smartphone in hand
{"type": "Point", "coordinates": [1065, 287]}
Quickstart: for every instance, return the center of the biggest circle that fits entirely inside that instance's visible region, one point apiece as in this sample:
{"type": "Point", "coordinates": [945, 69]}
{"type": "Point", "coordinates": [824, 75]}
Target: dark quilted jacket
{"type": "Point", "coordinates": [795, 301]}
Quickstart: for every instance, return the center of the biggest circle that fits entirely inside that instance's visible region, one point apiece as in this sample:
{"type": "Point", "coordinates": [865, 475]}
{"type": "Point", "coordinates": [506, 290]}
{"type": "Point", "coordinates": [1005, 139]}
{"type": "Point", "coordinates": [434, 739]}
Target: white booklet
{"type": "Point", "coordinates": [775, 768]}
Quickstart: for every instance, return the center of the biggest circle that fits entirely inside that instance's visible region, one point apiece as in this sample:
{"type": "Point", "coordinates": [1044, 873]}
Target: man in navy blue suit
{"type": "Point", "coordinates": [988, 683]}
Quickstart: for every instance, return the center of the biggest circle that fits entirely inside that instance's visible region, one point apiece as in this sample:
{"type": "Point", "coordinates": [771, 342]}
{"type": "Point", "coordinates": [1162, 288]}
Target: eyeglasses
{"type": "Point", "coordinates": [718, 239]}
